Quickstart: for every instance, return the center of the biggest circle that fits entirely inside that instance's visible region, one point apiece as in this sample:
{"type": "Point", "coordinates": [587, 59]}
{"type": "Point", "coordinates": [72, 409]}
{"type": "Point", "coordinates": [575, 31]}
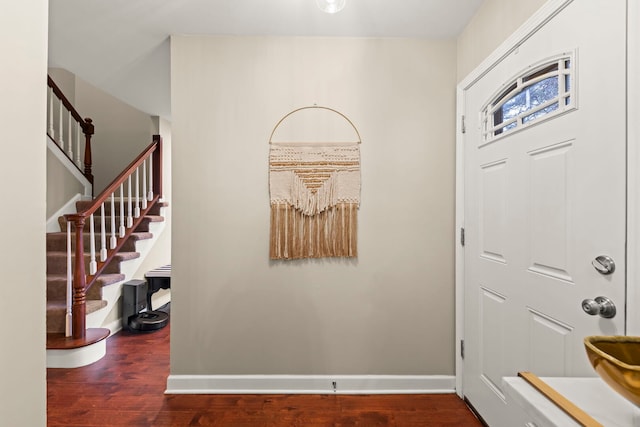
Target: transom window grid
{"type": "Point", "coordinates": [538, 95]}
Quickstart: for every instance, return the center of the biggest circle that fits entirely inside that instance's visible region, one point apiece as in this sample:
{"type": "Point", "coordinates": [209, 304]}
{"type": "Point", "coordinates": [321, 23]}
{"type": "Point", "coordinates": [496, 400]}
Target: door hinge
{"type": "Point", "coordinates": [462, 349]}
{"type": "Point", "coordinates": [463, 128]}
{"type": "Point", "coordinates": [462, 236]}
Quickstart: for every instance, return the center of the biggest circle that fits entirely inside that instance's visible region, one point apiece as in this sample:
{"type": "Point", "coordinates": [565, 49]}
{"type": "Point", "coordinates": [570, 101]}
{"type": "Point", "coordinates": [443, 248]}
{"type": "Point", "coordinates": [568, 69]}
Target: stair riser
{"type": "Point", "coordinates": [56, 315]}
{"type": "Point", "coordinates": [55, 320]}
{"type": "Point", "coordinates": [57, 286]}
{"type": "Point", "coordinates": [57, 290]}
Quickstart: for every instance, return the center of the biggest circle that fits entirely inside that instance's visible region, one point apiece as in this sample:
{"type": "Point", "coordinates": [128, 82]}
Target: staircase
{"type": "Point", "coordinates": [111, 232]}
{"type": "Point", "coordinates": [112, 275]}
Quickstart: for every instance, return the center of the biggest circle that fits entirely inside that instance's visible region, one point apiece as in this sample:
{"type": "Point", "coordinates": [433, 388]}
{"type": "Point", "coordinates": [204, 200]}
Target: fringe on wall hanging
{"type": "Point", "coordinates": [315, 195]}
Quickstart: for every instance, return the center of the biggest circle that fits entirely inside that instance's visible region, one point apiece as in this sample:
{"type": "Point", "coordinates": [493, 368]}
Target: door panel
{"type": "Point", "coordinates": [550, 344]}
{"type": "Point", "coordinates": [540, 205]}
{"type": "Point", "coordinates": [493, 210]}
{"type": "Point", "coordinates": [493, 307]}
{"type": "Point", "coordinates": [549, 203]}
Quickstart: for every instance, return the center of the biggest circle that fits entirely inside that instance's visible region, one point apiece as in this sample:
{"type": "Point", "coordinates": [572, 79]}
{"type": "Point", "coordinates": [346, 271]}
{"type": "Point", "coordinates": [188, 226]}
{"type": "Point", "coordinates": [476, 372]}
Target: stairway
{"type": "Point", "coordinates": [113, 273]}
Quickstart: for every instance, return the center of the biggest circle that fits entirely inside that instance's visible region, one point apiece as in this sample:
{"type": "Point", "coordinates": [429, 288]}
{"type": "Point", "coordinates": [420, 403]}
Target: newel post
{"type": "Point", "coordinates": [79, 307]}
{"type": "Point", "coordinates": [157, 165]}
{"type": "Point", "coordinates": [88, 130]}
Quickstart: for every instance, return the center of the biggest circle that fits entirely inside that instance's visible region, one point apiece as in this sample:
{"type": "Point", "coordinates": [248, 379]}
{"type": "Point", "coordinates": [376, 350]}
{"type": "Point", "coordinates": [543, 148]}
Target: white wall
{"type": "Point", "coordinates": [23, 42]}
{"type": "Point", "coordinates": [388, 312]}
{"type": "Point", "coordinates": [492, 24]}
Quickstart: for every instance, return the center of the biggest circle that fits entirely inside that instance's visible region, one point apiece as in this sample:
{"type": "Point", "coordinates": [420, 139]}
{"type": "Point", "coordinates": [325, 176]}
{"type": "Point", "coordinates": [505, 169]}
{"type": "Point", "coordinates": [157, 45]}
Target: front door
{"type": "Point", "coordinates": [545, 202]}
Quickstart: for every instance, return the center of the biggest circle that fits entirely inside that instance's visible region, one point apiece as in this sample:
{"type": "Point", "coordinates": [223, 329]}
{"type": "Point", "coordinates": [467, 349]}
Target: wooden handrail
{"type": "Point", "coordinates": [66, 103]}
{"type": "Point", "coordinates": [87, 126]}
{"type": "Point", "coordinates": [82, 281]}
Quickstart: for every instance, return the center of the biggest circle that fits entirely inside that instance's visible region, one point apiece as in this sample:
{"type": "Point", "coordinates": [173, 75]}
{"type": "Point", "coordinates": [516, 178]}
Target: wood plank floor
{"type": "Point", "coordinates": [126, 388]}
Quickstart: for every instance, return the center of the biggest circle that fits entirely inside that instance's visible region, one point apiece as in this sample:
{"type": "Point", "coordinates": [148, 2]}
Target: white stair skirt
{"type": "Point", "coordinates": [77, 357]}
{"type": "Point", "coordinates": [310, 384]}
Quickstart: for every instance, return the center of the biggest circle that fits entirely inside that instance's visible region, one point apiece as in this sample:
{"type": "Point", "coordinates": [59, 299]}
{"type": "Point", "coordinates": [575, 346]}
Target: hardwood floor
{"type": "Point", "coordinates": [126, 388]}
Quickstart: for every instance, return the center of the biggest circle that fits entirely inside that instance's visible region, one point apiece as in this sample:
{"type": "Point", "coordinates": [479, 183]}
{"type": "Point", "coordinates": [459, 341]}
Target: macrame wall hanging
{"type": "Point", "coordinates": [314, 191]}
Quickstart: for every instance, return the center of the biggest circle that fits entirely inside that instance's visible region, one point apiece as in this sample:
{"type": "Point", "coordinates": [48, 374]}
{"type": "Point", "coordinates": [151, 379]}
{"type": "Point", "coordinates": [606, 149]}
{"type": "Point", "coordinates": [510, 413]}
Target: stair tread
{"type": "Point", "coordinates": [57, 340]}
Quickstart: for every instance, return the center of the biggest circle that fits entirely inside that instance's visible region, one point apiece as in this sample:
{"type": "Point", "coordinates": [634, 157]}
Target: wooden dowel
{"type": "Point", "coordinates": [560, 401]}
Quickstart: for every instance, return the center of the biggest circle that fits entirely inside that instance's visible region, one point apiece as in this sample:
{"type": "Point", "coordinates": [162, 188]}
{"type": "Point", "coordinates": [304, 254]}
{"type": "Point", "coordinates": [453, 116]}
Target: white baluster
{"type": "Point", "coordinates": [93, 265]}
{"type": "Point", "coordinates": [70, 134]}
{"type": "Point", "coordinates": [103, 235]}
{"type": "Point", "coordinates": [60, 129]}
{"type": "Point", "coordinates": [122, 229]}
{"type": "Point", "coordinates": [144, 184]}
{"type": "Point", "coordinates": [114, 240]}
{"type": "Point", "coordinates": [150, 196]}
{"type": "Point", "coordinates": [51, 131]}
{"type": "Point", "coordinates": [78, 160]}
{"type": "Point", "coordinates": [137, 208]}
{"type": "Point", "coordinates": [130, 209]}
{"type": "Point", "coordinates": [69, 316]}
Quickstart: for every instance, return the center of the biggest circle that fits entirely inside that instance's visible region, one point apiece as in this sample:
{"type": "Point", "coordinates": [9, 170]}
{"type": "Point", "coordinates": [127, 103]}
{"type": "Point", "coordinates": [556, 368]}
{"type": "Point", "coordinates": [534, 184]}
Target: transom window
{"type": "Point", "coordinates": [543, 92]}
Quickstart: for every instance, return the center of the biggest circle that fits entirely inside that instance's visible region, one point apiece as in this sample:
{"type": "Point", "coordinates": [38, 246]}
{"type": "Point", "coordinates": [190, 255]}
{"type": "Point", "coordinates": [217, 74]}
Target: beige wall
{"type": "Point", "coordinates": [65, 81]}
{"type": "Point", "coordinates": [23, 41]}
{"type": "Point", "coordinates": [388, 312]}
{"type": "Point", "coordinates": [492, 24]}
{"type": "Point", "coordinates": [62, 186]}
{"type": "Point", "coordinates": [121, 131]}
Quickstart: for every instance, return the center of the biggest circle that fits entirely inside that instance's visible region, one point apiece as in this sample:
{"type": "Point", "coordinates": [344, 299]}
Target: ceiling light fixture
{"type": "Point", "coordinates": [331, 6]}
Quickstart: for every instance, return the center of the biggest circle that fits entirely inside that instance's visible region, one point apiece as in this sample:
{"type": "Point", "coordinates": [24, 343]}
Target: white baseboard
{"type": "Point", "coordinates": [114, 326]}
{"type": "Point", "coordinates": [310, 384]}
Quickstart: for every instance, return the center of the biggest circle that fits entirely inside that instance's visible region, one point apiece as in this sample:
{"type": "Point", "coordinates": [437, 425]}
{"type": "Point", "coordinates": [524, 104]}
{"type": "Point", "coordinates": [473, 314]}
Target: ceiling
{"type": "Point", "coordinates": [122, 46]}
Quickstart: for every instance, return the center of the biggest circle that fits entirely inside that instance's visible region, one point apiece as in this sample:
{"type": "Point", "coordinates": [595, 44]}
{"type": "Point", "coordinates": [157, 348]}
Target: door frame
{"type": "Point", "coordinates": [633, 174]}
{"type": "Point", "coordinates": [533, 24]}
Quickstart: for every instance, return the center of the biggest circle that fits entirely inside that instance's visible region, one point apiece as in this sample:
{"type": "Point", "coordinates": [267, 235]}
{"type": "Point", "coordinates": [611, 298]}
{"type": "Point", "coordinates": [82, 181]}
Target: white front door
{"type": "Point", "coordinates": [541, 204]}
